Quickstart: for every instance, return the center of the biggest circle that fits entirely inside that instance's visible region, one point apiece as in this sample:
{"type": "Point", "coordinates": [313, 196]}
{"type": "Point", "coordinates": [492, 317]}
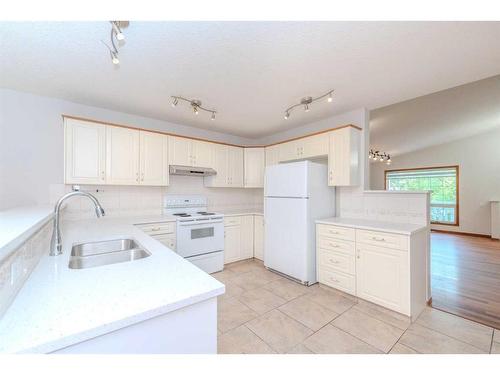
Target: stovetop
{"type": "Point", "coordinates": [200, 213]}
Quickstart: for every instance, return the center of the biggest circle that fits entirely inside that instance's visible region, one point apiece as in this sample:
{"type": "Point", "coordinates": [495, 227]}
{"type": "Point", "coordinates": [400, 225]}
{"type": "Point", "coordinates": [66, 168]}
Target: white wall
{"type": "Point", "coordinates": [479, 160]}
{"type": "Point", "coordinates": [31, 142]}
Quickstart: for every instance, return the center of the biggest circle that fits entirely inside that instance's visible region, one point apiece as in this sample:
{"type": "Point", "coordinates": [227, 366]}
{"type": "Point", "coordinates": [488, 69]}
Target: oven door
{"type": "Point", "coordinates": [199, 236]}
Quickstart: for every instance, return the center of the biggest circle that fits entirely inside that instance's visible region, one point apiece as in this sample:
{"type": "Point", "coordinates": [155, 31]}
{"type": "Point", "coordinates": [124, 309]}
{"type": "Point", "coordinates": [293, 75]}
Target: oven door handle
{"type": "Point", "coordinates": [193, 222]}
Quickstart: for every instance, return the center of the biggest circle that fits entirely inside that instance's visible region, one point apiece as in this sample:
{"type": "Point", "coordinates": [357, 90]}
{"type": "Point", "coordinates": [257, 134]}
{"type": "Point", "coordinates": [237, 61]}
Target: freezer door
{"type": "Point", "coordinates": [286, 240]}
{"type": "Point", "coordinates": [286, 180]}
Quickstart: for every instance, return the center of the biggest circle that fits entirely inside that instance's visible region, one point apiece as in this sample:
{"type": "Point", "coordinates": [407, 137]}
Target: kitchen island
{"type": "Point", "coordinates": [158, 304]}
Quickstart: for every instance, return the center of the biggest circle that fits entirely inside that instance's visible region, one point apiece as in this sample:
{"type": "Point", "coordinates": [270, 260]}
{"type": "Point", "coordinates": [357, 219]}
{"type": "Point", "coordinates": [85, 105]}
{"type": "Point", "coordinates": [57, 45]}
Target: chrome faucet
{"type": "Point", "coordinates": [56, 243]}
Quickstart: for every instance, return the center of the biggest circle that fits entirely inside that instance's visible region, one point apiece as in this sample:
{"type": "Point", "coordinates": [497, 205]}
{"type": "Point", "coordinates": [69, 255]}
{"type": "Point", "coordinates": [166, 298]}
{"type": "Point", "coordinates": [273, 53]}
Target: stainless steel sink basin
{"type": "Point", "coordinates": [100, 247]}
{"type": "Point", "coordinates": [95, 254]}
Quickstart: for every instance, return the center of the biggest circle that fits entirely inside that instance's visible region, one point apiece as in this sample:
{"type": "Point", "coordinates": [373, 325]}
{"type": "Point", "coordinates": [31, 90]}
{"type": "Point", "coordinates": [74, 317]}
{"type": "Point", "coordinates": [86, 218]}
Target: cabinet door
{"type": "Point", "coordinates": [179, 151]}
{"type": "Point", "coordinates": [84, 152]}
{"type": "Point", "coordinates": [232, 243]}
{"type": "Point", "coordinates": [289, 151]}
{"type": "Point", "coordinates": [272, 155]}
{"type": "Point", "coordinates": [202, 154]}
{"type": "Point", "coordinates": [343, 157]}
{"type": "Point", "coordinates": [122, 156]}
{"type": "Point", "coordinates": [258, 230]}
{"type": "Point", "coordinates": [382, 276]}
{"type": "Point", "coordinates": [154, 159]}
{"type": "Point", "coordinates": [246, 237]}
{"type": "Point", "coordinates": [235, 162]}
{"type": "Point", "coordinates": [314, 146]}
{"type": "Point", "coordinates": [254, 167]}
{"type": "Point", "coordinates": [219, 157]}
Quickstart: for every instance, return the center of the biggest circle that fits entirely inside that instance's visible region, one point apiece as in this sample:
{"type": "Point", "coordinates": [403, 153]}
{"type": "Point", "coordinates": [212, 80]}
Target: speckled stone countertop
{"type": "Point", "coordinates": [58, 306]}
{"type": "Point", "coordinates": [241, 212]}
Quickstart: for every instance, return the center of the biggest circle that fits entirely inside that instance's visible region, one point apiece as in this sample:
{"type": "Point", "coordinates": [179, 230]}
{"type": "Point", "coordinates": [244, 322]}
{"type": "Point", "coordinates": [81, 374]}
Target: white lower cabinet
{"type": "Point", "coordinates": [258, 237]}
{"type": "Point", "coordinates": [388, 269]}
{"type": "Point", "coordinates": [238, 238]}
{"type": "Point", "coordinates": [382, 276]}
{"type": "Point", "coordinates": [163, 232]}
{"type": "Point", "coordinates": [232, 241]}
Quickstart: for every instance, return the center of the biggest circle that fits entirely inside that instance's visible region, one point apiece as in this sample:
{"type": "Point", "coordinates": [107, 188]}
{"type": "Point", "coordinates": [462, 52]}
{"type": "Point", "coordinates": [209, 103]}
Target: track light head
{"type": "Point", "coordinates": [213, 116]}
{"type": "Point", "coordinates": [287, 115]}
{"type": "Point", "coordinates": [306, 107]}
{"type": "Point", "coordinates": [114, 58]}
{"type": "Point", "coordinates": [330, 98]}
{"type": "Point", "coordinates": [117, 30]}
{"type": "Point", "coordinates": [174, 102]}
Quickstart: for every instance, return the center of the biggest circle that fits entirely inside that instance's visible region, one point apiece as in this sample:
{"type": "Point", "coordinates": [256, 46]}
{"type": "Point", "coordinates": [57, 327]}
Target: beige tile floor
{"type": "Point", "coordinates": [262, 312]}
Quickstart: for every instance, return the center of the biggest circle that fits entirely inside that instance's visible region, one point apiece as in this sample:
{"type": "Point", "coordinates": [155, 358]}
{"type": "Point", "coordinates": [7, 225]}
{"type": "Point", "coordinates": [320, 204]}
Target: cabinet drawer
{"type": "Point", "coordinates": [232, 220]}
{"type": "Point", "coordinates": [337, 279]}
{"type": "Point", "coordinates": [333, 231]}
{"type": "Point", "coordinates": [337, 261]}
{"type": "Point", "coordinates": [329, 243]}
{"type": "Point", "coordinates": [157, 228]}
{"type": "Point", "coordinates": [166, 239]}
{"type": "Point", "coordinates": [389, 240]}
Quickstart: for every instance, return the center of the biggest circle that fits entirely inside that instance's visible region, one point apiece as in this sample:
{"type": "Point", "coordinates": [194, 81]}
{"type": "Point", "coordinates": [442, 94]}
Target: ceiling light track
{"type": "Point", "coordinates": [380, 156]}
{"type": "Point", "coordinates": [195, 105]}
{"type": "Point", "coordinates": [307, 101]}
{"type": "Point", "coordinates": [116, 33]}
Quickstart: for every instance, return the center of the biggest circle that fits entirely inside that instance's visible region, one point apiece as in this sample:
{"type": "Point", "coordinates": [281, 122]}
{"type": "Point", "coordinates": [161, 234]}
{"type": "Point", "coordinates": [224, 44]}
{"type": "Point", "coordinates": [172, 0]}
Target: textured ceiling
{"type": "Point", "coordinates": [437, 118]}
{"type": "Point", "coordinates": [248, 71]}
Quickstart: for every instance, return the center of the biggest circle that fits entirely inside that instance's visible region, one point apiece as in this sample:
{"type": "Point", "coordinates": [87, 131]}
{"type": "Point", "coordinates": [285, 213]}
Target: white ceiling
{"type": "Point", "coordinates": [248, 71]}
{"type": "Point", "coordinates": [437, 118]}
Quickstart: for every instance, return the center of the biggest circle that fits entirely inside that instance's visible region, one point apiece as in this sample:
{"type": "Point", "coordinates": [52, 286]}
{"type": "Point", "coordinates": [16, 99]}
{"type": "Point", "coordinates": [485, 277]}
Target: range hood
{"type": "Point", "coordinates": [184, 170]}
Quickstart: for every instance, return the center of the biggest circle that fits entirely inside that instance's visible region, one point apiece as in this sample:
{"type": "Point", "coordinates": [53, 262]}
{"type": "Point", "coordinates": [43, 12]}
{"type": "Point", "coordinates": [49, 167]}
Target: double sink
{"type": "Point", "coordinates": [101, 253]}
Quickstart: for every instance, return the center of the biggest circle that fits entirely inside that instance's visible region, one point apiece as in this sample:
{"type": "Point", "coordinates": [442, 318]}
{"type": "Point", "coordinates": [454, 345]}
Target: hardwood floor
{"type": "Point", "coordinates": [466, 276]}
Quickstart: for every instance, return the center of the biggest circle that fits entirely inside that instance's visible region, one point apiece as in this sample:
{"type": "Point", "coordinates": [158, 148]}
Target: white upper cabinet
{"type": "Point", "coordinates": [313, 146]}
{"type": "Point", "coordinates": [122, 156]}
{"type": "Point", "coordinates": [201, 153]}
{"type": "Point", "coordinates": [235, 166]}
{"type": "Point", "coordinates": [272, 155]}
{"type": "Point", "coordinates": [84, 152]}
{"type": "Point", "coordinates": [289, 151]}
{"type": "Point", "coordinates": [219, 162]}
{"type": "Point", "coordinates": [153, 159]}
{"type": "Point", "coordinates": [304, 148]}
{"type": "Point", "coordinates": [190, 152]}
{"type": "Point", "coordinates": [254, 164]}
{"type": "Point", "coordinates": [344, 157]}
{"type": "Point", "coordinates": [179, 151]}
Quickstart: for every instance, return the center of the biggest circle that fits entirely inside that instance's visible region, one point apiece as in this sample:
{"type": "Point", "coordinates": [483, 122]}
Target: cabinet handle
{"type": "Point", "coordinates": [333, 232]}
{"type": "Point", "coordinates": [334, 261]}
{"type": "Point", "coordinates": [142, 176]}
{"type": "Point", "coordinates": [333, 245]}
{"type": "Point", "coordinates": [380, 239]}
{"type": "Point", "coordinates": [155, 229]}
{"type": "Point", "coordinates": [102, 175]}
{"type": "Point", "coordinates": [334, 280]}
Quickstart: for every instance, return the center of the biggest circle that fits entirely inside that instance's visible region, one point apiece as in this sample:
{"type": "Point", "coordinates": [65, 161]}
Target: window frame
{"type": "Point", "coordinates": [457, 173]}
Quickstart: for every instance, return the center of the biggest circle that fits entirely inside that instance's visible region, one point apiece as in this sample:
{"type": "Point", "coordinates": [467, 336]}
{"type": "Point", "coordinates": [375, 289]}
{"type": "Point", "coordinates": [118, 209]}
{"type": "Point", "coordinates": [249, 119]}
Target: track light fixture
{"type": "Point", "coordinates": [380, 156]}
{"type": "Point", "coordinates": [116, 33]}
{"type": "Point", "coordinates": [195, 105]}
{"type": "Point", "coordinates": [307, 101]}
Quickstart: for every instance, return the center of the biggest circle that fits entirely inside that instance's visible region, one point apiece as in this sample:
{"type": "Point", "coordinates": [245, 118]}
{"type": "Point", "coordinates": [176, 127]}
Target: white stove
{"type": "Point", "coordinates": [200, 234]}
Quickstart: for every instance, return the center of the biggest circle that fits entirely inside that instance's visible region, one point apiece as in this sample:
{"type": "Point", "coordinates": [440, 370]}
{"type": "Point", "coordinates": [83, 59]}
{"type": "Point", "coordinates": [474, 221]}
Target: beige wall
{"type": "Point", "coordinates": [478, 158]}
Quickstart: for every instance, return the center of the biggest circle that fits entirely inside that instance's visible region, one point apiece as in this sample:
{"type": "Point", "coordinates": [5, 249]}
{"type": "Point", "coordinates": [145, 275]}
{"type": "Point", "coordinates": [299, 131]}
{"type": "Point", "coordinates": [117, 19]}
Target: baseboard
{"type": "Point", "coordinates": [462, 233]}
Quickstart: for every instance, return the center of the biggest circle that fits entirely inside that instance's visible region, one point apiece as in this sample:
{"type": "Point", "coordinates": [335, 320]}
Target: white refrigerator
{"type": "Point", "coordinates": [295, 195]}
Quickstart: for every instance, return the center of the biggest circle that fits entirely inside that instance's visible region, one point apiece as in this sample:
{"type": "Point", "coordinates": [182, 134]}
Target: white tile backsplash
{"type": "Point", "coordinates": [148, 200]}
{"type": "Point", "coordinates": [384, 206]}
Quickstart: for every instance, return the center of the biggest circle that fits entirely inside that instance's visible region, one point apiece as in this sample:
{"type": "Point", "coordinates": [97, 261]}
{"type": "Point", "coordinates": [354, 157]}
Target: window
{"type": "Point", "coordinates": [442, 181]}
